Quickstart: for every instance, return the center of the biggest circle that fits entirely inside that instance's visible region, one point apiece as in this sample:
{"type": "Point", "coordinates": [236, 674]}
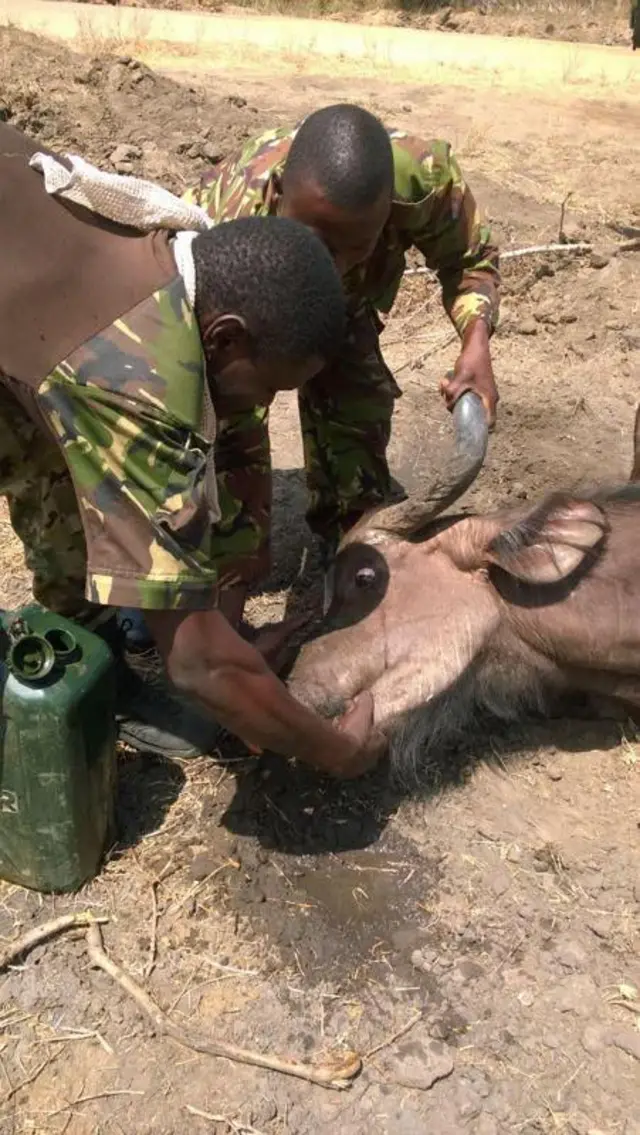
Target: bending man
{"type": "Point", "coordinates": [371, 194]}
{"type": "Point", "coordinates": [116, 368]}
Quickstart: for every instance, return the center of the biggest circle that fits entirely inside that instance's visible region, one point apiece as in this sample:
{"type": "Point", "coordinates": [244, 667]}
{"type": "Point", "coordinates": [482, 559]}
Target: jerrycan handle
{"type": "Point", "coordinates": [30, 657]}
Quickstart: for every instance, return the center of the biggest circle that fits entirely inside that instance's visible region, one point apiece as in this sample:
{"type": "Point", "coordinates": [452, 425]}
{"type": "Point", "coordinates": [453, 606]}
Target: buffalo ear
{"type": "Point", "coordinates": [551, 542]}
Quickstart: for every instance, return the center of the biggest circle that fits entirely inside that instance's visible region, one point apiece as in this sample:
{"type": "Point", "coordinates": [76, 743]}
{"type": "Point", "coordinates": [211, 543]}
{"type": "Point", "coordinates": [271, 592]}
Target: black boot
{"type": "Point", "coordinates": [152, 716]}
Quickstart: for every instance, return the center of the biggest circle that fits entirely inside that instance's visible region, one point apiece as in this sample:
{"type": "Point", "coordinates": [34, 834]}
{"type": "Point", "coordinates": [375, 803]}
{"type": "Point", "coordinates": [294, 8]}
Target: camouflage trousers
{"type": "Point", "coordinates": [43, 510]}
{"type": "Point", "coordinates": [345, 415]}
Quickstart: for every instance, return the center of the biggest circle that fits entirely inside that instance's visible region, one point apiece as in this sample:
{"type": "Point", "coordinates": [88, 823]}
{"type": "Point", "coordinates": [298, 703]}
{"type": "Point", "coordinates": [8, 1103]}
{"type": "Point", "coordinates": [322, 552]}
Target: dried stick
{"type": "Point", "coordinates": [106, 1095]}
{"type": "Point", "coordinates": [47, 930]}
{"type": "Point", "coordinates": [238, 1128]}
{"type": "Point", "coordinates": [395, 1036]}
{"type": "Point", "coordinates": [412, 363]}
{"type": "Point", "coordinates": [153, 937]}
{"type": "Point", "coordinates": [326, 1076]}
{"type": "Point", "coordinates": [624, 230]}
{"type": "Point", "coordinates": [535, 249]}
{"type": "Point", "coordinates": [563, 209]}
{"type": "Point", "coordinates": [13, 1091]}
{"type": "Point", "coordinates": [516, 253]}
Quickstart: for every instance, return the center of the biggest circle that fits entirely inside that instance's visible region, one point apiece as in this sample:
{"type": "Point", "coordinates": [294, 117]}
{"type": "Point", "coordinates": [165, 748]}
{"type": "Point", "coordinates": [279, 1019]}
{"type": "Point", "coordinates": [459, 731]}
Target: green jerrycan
{"type": "Point", "coordinates": [57, 750]}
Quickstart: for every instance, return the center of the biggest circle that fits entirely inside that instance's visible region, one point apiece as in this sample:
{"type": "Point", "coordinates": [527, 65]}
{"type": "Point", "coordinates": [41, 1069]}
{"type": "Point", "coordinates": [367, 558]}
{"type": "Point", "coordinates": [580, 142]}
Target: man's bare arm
{"type": "Point", "coordinates": [207, 659]}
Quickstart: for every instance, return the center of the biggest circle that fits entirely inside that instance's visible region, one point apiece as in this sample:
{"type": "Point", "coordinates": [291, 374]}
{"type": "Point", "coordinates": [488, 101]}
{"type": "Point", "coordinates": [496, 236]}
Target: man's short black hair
{"type": "Point", "coordinates": [347, 152]}
{"type": "Point", "coordinates": [278, 275]}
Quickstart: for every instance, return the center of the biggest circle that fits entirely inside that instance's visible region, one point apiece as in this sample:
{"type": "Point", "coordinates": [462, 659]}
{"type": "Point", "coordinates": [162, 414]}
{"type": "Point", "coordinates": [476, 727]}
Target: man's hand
{"type": "Point", "coordinates": [209, 661]}
{"type": "Point", "coordinates": [473, 371]}
{"type": "Point", "coordinates": [357, 722]}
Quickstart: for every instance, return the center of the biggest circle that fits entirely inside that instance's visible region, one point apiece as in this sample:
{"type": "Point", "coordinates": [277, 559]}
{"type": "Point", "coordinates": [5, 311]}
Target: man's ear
{"type": "Point", "coordinates": [551, 542]}
{"type": "Point", "coordinates": [225, 340]}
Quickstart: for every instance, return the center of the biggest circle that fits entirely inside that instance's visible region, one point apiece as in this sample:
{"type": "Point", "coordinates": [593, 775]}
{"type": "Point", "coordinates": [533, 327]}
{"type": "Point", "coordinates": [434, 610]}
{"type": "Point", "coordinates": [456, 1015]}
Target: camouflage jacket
{"type": "Point", "coordinates": [433, 211]}
{"type": "Point", "coordinates": [132, 413]}
{"type": "Point", "coordinates": [101, 348]}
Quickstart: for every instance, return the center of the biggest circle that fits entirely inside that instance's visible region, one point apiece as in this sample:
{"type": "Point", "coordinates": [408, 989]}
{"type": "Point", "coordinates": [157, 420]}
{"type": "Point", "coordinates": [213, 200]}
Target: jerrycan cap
{"type": "Point", "coordinates": [30, 657]}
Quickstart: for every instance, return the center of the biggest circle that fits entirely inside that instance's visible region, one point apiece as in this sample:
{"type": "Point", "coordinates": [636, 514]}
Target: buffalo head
{"type": "Point", "coordinates": [436, 616]}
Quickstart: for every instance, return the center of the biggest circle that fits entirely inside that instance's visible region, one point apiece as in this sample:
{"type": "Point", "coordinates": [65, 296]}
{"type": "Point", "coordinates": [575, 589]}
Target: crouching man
{"type": "Point", "coordinates": [118, 361]}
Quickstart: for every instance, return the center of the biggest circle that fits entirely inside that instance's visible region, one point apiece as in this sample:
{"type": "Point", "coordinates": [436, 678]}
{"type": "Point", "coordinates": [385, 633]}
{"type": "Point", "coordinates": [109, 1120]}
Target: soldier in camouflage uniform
{"type": "Point", "coordinates": [371, 194]}
{"type": "Point", "coordinates": [119, 368]}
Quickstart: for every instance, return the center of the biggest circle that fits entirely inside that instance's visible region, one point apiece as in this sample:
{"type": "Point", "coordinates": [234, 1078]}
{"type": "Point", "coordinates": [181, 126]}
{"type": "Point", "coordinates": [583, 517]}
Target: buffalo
{"type": "Point", "coordinates": [446, 619]}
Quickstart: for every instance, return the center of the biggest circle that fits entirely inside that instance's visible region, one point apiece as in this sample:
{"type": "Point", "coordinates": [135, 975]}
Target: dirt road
{"type": "Point", "coordinates": [410, 53]}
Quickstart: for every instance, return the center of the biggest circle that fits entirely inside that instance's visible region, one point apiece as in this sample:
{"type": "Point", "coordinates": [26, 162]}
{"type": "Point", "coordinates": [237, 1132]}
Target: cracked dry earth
{"type": "Point", "coordinates": [494, 914]}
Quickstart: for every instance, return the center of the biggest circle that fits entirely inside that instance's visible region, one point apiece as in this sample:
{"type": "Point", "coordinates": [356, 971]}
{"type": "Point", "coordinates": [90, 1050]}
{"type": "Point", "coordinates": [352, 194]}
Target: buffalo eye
{"type": "Point", "coordinates": [365, 577]}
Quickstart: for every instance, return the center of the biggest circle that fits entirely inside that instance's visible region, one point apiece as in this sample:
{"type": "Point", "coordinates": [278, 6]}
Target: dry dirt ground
{"type": "Point", "coordinates": [589, 21]}
{"type": "Point", "coordinates": [497, 908]}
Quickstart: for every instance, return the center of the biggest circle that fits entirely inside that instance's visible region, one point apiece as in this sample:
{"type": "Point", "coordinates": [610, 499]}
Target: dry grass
{"type": "Point", "coordinates": [130, 41]}
{"type": "Point", "coordinates": [410, 9]}
{"type": "Point", "coordinates": [569, 69]}
{"type": "Point", "coordinates": [593, 20]}
{"type": "Point", "coordinates": [150, 32]}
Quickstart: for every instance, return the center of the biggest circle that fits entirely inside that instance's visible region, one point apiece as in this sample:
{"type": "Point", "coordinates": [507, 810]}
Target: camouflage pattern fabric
{"type": "Point", "coordinates": [43, 510]}
{"type": "Point", "coordinates": [346, 422]}
{"type": "Point", "coordinates": [346, 411]}
{"type": "Point", "coordinates": [433, 211]}
{"type": "Point", "coordinates": [128, 510]}
{"type": "Point", "coordinates": [345, 414]}
{"type": "Point", "coordinates": [243, 477]}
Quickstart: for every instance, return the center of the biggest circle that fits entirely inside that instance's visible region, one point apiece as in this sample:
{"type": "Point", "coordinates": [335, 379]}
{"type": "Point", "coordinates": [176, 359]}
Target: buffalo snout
{"type": "Point", "coordinates": [328, 703]}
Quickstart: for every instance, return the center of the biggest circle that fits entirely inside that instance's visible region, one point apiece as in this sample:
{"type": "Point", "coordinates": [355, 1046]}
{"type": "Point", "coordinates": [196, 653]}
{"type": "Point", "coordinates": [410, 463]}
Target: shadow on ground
{"type": "Point", "coordinates": [290, 809]}
{"type": "Point", "coordinates": [147, 788]}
